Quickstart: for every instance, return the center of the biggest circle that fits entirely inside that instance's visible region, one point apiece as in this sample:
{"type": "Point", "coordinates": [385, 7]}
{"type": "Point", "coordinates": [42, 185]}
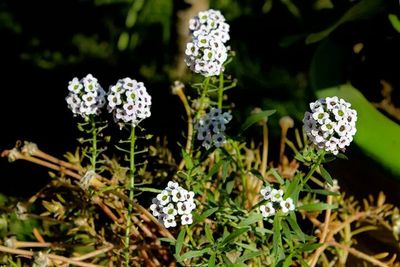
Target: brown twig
{"type": "Point", "coordinates": [51, 256]}
{"type": "Point", "coordinates": [358, 254]}
{"type": "Point", "coordinates": [324, 233]}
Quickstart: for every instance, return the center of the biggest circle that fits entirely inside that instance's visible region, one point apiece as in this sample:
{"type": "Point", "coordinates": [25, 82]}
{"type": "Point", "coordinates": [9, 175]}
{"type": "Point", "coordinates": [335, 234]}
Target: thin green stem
{"type": "Point", "coordinates": [241, 167]}
{"type": "Point", "coordinates": [204, 94]}
{"type": "Point", "coordinates": [313, 169]}
{"type": "Point", "coordinates": [220, 90]}
{"type": "Point", "coordinates": [189, 233]}
{"type": "Point", "coordinates": [94, 144]}
{"type": "Point", "coordinates": [131, 194]}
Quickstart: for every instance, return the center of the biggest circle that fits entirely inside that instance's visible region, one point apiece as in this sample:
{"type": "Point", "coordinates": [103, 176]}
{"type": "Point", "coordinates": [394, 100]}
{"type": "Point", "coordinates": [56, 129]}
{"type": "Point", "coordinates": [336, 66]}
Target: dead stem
{"type": "Point", "coordinates": [324, 233]}
{"type": "Point", "coordinates": [91, 254]}
{"type": "Point", "coordinates": [358, 254]}
{"type": "Point", "coordinates": [51, 256]}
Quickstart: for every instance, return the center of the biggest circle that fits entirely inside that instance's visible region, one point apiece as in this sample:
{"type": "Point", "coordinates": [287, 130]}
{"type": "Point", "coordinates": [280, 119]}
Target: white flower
{"type": "Point", "coordinates": [171, 202]}
{"type": "Point", "coordinates": [276, 195]}
{"type": "Point", "coordinates": [164, 197]}
{"type": "Point", "coordinates": [287, 205]}
{"type": "Point", "coordinates": [267, 210]}
{"type": "Point", "coordinates": [186, 219]}
{"type": "Point", "coordinates": [129, 102]}
{"type": "Point", "coordinates": [169, 221]}
{"type": "Point", "coordinates": [210, 128]}
{"type": "Point", "coordinates": [266, 192]}
{"type": "Point", "coordinates": [184, 207]}
{"type": "Point", "coordinates": [74, 85]}
{"type": "Point", "coordinates": [331, 124]}
{"type": "Point", "coordinates": [178, 195]}
{"type": "Point", "coordinates": [155, 208]}
{"type": "Point", "coordinates": [170, 210]}
{"type": "Point", "coordinates": [86, 97]}
{"type": "Point", "coordinates": [172, 185]}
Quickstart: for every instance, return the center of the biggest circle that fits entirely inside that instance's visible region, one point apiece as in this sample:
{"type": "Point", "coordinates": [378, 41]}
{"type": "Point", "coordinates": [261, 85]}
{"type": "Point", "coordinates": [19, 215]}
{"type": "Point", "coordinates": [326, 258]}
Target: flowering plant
{"type": "Point", "coordinates": [224, 203]}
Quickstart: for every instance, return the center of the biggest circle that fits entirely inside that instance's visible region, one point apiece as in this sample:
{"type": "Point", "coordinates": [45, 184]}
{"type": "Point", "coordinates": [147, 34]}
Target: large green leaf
{"type": "Point", "coordinates": [361, 10]}
{"type": "Point", "coordinates": [377, 136]}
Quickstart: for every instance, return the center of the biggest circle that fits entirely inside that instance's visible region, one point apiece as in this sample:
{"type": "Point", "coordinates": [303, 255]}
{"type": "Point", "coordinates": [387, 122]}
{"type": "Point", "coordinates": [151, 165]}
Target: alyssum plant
{"type": "Point", "coordinates": [224, 204]}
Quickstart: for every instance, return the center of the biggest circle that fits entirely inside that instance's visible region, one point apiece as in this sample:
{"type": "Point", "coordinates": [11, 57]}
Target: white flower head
{"type": "Point", "coordinates": [276, 195]}
{"type": "Point", "coordinates": [169, 221]}
{"type": "Point", "coordinates": [186, 219]}
{"type": "Point", "coordinates": [129, 102]}
{"type": "Point", "coordinates": [287, 205]}
{"type": "Point", "coordinates": [206, 52]}
{"type": "Point", "coordinates": [266, 192]}
{"type": "Point", "coordinates": [211, 128]}
{"type": "Point", "coordinates": [164, 197]}
{"type": "Point", "coordinates": [174, 204]}
{"type": "Point", "coordinates": [86, 97]}
{"type": "Point", "coordinates": [267, 210]}
{"type": "Point", "coordinates": [331, 124]}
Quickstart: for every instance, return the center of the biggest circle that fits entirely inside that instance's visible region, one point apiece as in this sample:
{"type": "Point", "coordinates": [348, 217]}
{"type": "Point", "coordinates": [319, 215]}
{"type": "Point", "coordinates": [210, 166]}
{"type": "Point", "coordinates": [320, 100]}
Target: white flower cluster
{"type": "Point", "coordinates": [211, 23]}
{"type": "Point", "coordinates": [331, 124]}
{"type": "Point", "coordinates": [207, 52]}
{"type": "Point", "coordinates": [211, 128]}
{"type": "Point", "coordinates": [129, 102]}
{"type": "Point", "coordinates": [86, 97]}
{"type": "Point", "coordinates": [275, 202]}
{"type": "Point", "coordinates": [173, 203]}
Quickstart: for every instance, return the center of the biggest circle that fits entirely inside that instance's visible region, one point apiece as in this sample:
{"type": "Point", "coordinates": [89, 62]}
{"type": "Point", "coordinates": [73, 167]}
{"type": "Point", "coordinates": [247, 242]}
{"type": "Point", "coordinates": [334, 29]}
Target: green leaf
{"type": "Point", "coordinates": [293, 189]}
{"type": "Point", "coordinates": [321, 192]}
{"type": "Point", "coordinates": [188, 161]}
{"type": "Point", "coordinates": [227, 262]}
{"type": "Point", "coordinates": [148, 189]}
{"type": "Point", "coordinates": [248, 256]}
{"type": "Point", "coordinates": [296, 228]}
{"type": "Point", "coordinates": [310, 247]}
{"type": "Point", "coordinates": [205, 215]}
{"type": "Point", "coordinates": [123, 41]}
{"type": "Point", "coordinates": [277, 247]}
{"type": "Point", "coordinates": [238, 232]}
{"type": "Point", "coordinates": [225, 166]}
{"type": "Point", "coordinates": [361, 10]}
{"type": "Point", "coordinates": [179, 242]}
{"type": "Point", "coordinates": [317, 207]}
{"type": "Point", "coordinates": [256, 118]}
{"type": "Point", "coordinates": [395, 22]}
{"type": "Point", "coordinates": [209, 234]}
{"type": "Point", "coordinates": [194, 254]}
{"type": "Point", "coordinates": [211, 261]}
{"type": "Point", "coordinates": [246, 246]}
{"type": "Point", "coordinates": [383, 143]}
{"type": "Point", "coordinates": [325, 175]}
{"type": "Point", "coordinates": [287, 233]}
{"type": "Point", "coordinates": [252, 218]}
{"type": "Point", "coordinates": [288, 261]}
{"type": "Point", "coordinates": [229, 187]}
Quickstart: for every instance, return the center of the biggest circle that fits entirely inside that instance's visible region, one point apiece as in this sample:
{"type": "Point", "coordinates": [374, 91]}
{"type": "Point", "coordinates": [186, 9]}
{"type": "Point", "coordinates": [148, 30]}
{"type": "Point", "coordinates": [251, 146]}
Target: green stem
{"type": "Point", "coordinates": [220, 90]}
{"type": "Point", "coordinates": [94, 144]}
{"type": "Point", "coordinates": [203, 94]}
{"type": "Point", "coordinates": [313, 169]}
{"type": "Point", "coordinates": [131, 195]}
{"type": "Point", "coordinates": [189, 233]}
{"type": "Point", "coordinates": [241, 167]}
